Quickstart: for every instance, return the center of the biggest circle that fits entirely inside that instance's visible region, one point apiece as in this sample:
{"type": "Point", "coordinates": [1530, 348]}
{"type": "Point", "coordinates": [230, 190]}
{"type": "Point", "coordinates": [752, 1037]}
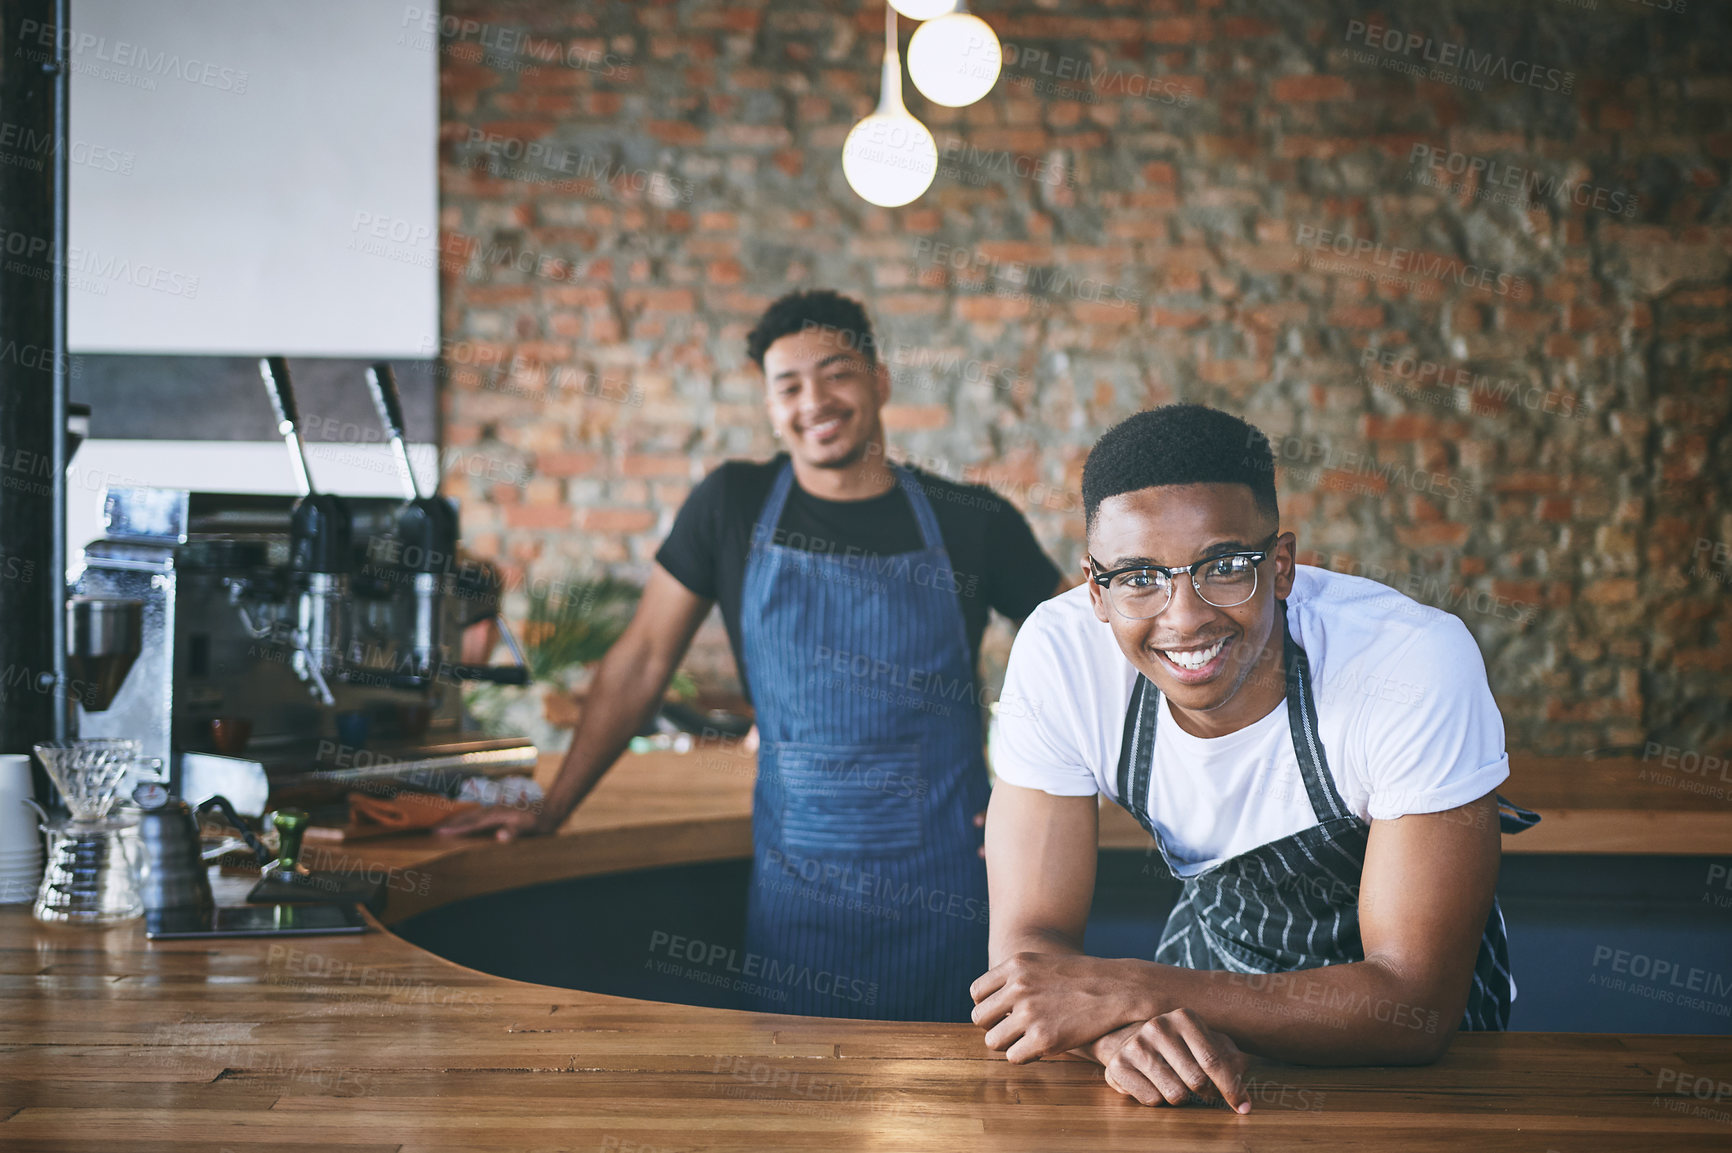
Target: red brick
{"type": "Point", "coordinates": [660, 300]}
{"type": "Point", "coordinates": [1310, 87]}
{"type": "Point", "coordinates": [1344, 480]}
{"type": "Point", "coordinates": [1244, 28]}
{"type": "Point", "coordinates": [617, 520]}
{"type": "Point", "coordinates": [991, 308]}
{"type": "Point", "coordinates": [675, 132]}
{"type": "Point", "coordinates": [1444, 534]}
{"type": "Point", "coordinates": [1140, 226]}
{"type": "Point", "coordinates": [517, 129]}
{"type": "Point", "coordinates": [568, 463]}
{"type": "Point", "coordinates": [921, 220]}
{"type": "Point", "coordinates": [1557, 508]}
{"type": "Point", "coordinates": [756, 135]}
{"type": "Point", "coordinates": [576, 295]}
{"type": "Point", "coordinates": [907, 304]}
{"type": "Point", "coordinates": [493, 295]}
{"type": "Point", "coordinates": [916, 416]}
{"type": "Point", "coordinates": [1155, 200]}
{"type": "Point", "coordinates": [1105, 315]}
{"type": "Point", "coordinates": [1525, 320]}
{"type": "Point", "coordinates": [1177, 318]}
{"type": "Point", "coordinates": [1177, 30]}
{"type": "Point", "coordinates": [1536, 481]}
{"type": "Point", "coordinates": [1274, 316]}
{"type": "Point", "coordinates": [664, 465]}
{"type": "Point", "coordinates": [1560, 347]}
{"type": "Point", "coordinates": [1408, 426]}
{"type": "Point", "coordinates": [1357, 316]}
{"type": "Point", "coordinates": [1610, 591]}
{"type": "Point", "coordinates": [541, 352]}
{"type": "Point", "coordinates": [726, 19]}
{"type": "Point", "coordinates": [1015, 251]}
{"type": "Point", "coordinates": [538, 516]}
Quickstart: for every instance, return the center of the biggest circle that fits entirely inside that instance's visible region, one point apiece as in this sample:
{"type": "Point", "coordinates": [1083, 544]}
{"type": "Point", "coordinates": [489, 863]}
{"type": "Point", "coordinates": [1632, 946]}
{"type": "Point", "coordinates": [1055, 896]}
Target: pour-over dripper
{"type": "Point", "coordinates": [103, 638]}
{"type": "Point", "coordinates": [88, 773]}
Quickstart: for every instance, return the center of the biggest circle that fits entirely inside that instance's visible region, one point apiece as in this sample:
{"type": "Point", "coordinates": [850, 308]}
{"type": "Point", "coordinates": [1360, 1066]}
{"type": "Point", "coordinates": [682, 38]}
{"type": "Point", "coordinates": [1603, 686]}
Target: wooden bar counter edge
{"type": "Point", "coordinates": [362, 1043]}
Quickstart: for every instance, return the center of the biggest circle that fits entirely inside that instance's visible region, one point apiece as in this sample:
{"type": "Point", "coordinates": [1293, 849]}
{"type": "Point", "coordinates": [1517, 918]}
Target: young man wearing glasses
{"type": "Point", "coordinates": [1315, 755]}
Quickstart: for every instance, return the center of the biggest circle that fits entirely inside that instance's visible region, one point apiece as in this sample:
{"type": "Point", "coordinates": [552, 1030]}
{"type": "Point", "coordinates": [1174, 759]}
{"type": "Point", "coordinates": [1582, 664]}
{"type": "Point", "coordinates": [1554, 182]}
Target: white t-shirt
{"type": "Point", "coordinates": [1406, 717]}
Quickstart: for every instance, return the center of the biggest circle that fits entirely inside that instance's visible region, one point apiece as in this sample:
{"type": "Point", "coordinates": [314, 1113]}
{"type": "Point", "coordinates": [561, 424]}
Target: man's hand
{"type": "Point", "coordinates": [630, 680]}
{"type": "Point", "coordinates": [1175, 1059]}
{"type": "Point", "coordinates": [506, 823]}
{"type": "Point", "coordinates": [1033, 1005]}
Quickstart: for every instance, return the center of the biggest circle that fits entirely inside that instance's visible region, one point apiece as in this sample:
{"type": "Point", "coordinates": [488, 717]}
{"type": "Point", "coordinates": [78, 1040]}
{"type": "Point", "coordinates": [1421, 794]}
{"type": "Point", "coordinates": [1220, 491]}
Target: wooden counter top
{"type": "Point", "coordinates": [668, 808]}
{"type": "Point", "coordinates": [108, 1041]}
{"type": "Point", "coordinates": [1616, 805]}
{"type": "Point", "coordinates": [673, 809]}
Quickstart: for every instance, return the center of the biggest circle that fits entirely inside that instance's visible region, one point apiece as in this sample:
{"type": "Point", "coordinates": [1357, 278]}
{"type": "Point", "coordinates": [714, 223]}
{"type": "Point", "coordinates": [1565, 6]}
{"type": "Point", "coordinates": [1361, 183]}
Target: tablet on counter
{"type": "Point", "coordinates": [253, 921]}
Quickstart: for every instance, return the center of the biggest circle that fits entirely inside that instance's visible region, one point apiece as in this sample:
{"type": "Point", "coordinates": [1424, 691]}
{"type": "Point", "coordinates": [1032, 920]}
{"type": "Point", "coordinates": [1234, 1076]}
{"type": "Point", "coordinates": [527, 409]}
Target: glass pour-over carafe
{"type": "Point", "coordinates": [89, 878]}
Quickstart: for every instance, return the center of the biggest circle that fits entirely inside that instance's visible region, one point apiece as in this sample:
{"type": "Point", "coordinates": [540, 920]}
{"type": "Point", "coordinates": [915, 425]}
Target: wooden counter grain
{"type": "Point", "coordinates": [675, 809]}
{"type": "Point", "coordinates": [110, 1042]}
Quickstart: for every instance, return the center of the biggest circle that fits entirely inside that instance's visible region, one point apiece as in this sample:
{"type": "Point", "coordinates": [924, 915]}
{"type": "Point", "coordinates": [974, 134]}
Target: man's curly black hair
{"type": "Point", "coordinates": [1179, 444]}
{"type": "Point", "coordinates": [814, 310]}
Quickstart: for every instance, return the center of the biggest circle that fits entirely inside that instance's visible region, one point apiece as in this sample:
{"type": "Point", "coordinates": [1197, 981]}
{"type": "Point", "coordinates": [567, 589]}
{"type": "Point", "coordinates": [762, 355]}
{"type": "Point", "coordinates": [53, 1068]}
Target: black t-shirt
{"type": "Point", "coordinates": [997, 562]}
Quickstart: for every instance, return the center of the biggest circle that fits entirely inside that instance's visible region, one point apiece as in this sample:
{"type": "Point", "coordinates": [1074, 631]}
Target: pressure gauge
{"type": "Point", "coordinates": [150, 795]}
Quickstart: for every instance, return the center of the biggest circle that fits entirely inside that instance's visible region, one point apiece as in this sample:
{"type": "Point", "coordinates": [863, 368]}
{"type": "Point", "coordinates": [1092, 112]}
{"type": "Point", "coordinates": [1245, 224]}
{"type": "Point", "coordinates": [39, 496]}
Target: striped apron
{"type": "Point", "coordinates": [1292, 903]}
{"type": "Point", "coordinates": [868, 895]}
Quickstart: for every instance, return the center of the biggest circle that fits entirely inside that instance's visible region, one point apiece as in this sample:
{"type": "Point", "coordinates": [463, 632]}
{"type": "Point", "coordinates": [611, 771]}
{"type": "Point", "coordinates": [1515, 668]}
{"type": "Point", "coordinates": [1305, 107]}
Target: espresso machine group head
{"type": "Point", "coordinates": [321, 548]}
{"type": "Point", "coordinates": [425, 531]}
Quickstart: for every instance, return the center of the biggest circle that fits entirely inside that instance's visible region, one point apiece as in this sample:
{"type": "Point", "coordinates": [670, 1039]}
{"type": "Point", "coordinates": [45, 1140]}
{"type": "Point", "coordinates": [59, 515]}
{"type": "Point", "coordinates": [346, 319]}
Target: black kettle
{"type": "Point", "coordinates": [171, 866]}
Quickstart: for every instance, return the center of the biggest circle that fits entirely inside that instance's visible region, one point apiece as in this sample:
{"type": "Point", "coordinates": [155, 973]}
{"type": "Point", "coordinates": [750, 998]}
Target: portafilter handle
{"type": "Point", "coordinates": [382, 383]}
{"type": "Point", "coordinates": [274, 370]}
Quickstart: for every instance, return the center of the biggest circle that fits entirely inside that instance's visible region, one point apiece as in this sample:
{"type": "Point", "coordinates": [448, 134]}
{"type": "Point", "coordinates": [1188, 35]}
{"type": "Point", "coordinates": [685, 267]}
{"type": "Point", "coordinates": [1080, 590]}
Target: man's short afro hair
{"type": "Point", "coordinates": [816, 310]}
{"type": "Point", "coordinates": [1179, 444]}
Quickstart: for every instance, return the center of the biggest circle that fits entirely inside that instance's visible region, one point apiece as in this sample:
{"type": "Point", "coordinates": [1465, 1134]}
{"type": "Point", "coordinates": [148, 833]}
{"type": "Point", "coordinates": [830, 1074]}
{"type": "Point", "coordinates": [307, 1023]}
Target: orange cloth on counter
{"type": "Point", "coordinates": [371, 816]}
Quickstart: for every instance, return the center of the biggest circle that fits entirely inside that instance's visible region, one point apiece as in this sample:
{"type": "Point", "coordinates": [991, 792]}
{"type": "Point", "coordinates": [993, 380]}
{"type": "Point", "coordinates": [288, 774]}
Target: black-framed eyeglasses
{"type": "Point", "coordinates": [1224, 580]}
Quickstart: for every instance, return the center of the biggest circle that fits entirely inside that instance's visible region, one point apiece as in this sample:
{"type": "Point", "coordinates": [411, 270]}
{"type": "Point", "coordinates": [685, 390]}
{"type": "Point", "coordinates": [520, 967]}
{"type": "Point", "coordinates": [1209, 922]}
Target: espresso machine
{"type": "Point", "coordinates": [289, 649]}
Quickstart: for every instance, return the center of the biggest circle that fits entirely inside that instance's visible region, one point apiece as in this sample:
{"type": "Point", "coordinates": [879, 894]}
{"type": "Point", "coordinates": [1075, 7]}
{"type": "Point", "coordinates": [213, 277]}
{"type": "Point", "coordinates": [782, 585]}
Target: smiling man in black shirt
{"type": "Point", "coordinates": [855, 592]}
{"type": "Point", "coordinates": [997, 562]}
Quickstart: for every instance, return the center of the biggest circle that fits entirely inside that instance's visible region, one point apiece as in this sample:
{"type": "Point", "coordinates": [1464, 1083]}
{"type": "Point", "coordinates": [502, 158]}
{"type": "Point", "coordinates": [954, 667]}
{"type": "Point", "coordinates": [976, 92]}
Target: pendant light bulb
{"type": "Point", "coordinates": [954, 60]}
{"type": "Point", "coordinates": [890, 158]}
{"type": "Point", "coordinates": [923, 9]}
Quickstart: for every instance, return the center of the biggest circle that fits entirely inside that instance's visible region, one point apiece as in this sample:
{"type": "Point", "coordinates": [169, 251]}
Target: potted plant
{"type": "Point", "coordinates": [569, 625]}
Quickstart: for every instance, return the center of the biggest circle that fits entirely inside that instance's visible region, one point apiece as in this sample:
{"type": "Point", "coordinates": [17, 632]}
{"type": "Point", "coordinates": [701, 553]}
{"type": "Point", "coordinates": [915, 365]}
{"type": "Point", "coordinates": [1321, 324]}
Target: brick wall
{"type": "Point", "coordinates": [1508, 398]}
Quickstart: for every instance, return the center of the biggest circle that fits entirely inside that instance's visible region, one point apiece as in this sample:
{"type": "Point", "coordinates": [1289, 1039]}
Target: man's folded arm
{"type": "Point", "coordinates": [1424, 897]}
{"type": "Point", "coordinates": [1040, 868]}
{"type": "Point", "coordinates": [1040, 864]}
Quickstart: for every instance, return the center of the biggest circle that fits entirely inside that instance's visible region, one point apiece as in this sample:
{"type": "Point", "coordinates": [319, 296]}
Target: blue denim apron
{"type": "Point", "coordinates": [868, 895]}
{"type": "Point", "coordinates": [1292, 903]}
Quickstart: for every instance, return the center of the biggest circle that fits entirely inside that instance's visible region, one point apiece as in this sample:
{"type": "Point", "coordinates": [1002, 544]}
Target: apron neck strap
{"type": "Point", "coordinates": [1326, 800]}
{"type": "Point", "coordinates": [764, 531]}
{"type": "Point", "coordinates": [930, 536]}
